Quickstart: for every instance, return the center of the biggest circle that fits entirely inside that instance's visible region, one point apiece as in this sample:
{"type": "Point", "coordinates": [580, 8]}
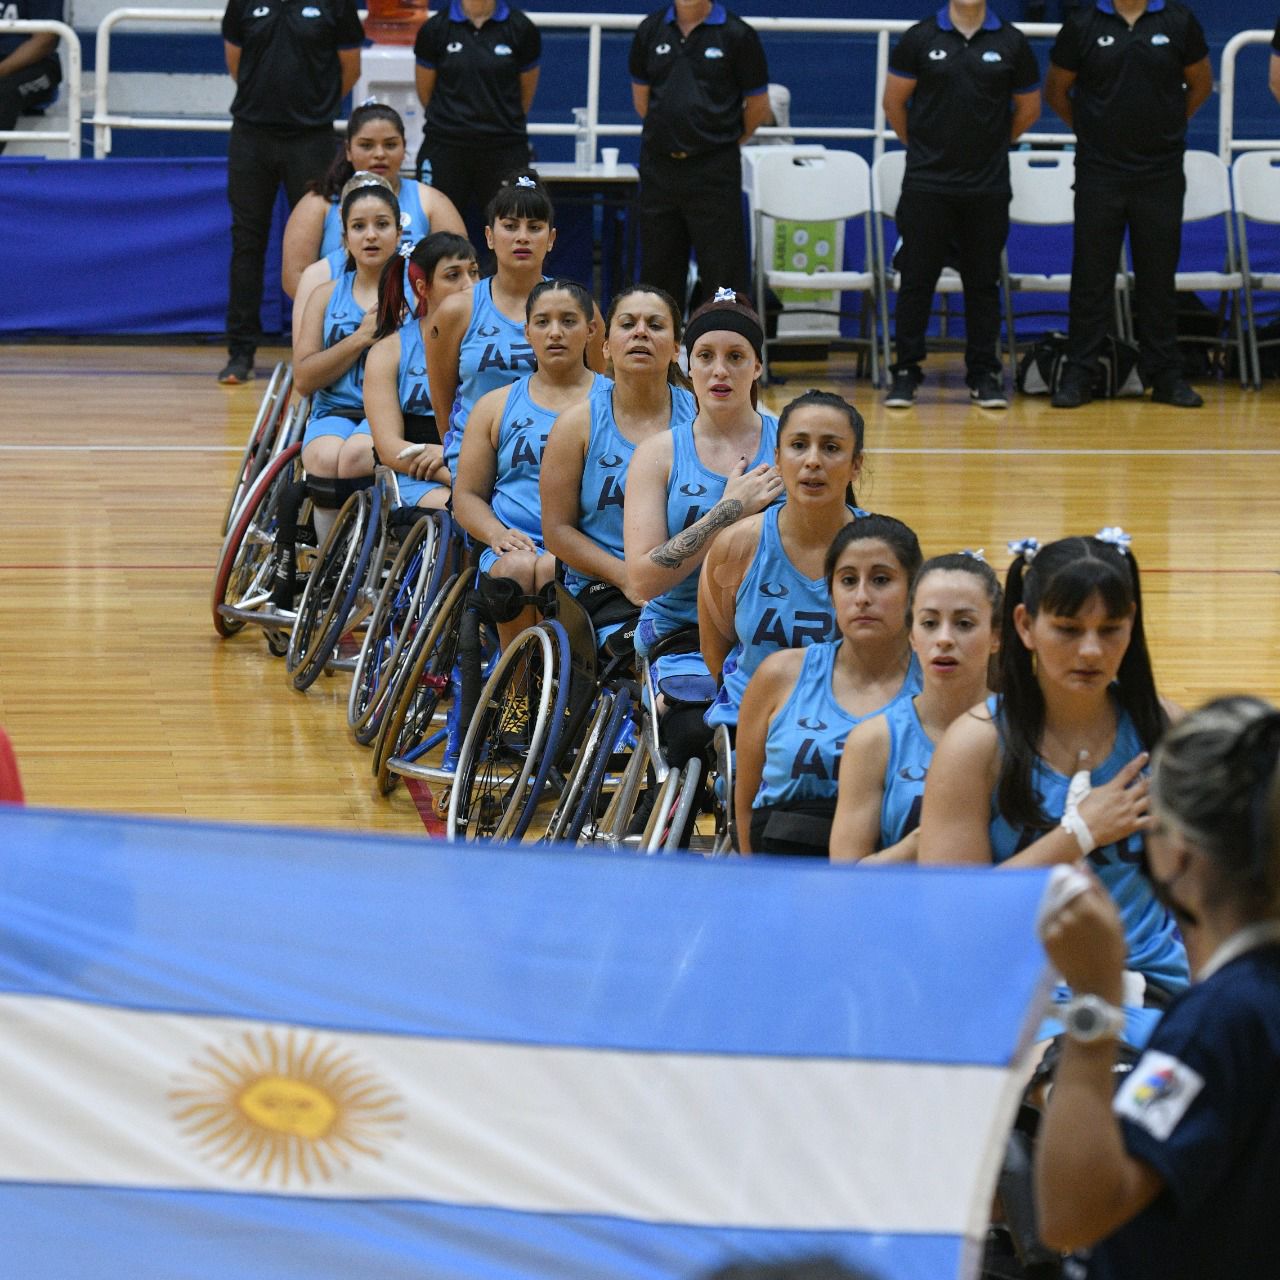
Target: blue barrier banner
{"type": "Point", "coordinates": [245, 1052]}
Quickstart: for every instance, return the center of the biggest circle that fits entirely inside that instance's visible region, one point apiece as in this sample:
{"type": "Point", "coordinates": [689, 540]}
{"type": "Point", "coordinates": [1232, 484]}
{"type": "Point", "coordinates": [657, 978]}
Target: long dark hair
{"type": "Point", "coordinates": [898, 537]}
{"type": "Point", "coordinates": [814, 399]}
{"type": "Point", "coordinates": [428, 253]}
{"type": "Point", "coordinates": [340, 171]}
{"type": "Point", "coordinates": [379, 192]}
{"type": "Point", "coordinates": [521, 195]}
{"type": "Point", "coordinates": [676, 376]}
{"type": "Point", "coordinates": [1062, 577]}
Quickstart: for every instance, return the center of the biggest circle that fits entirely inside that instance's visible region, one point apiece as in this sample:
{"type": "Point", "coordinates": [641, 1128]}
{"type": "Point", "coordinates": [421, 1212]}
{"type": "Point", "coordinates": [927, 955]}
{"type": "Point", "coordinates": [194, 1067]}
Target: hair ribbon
{"type": "Point", "coordinates": [1026, 548]}
{"type": "Point", "coordinates": [1116, 537]}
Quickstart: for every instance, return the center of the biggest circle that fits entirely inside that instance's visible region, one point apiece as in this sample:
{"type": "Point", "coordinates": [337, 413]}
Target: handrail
{"type": "Point", "coordinates": [595, 25]}
{"type": "Point", "coordinates": [1227, 143]}
{"type": "Point", "coordinates": [70, 81]}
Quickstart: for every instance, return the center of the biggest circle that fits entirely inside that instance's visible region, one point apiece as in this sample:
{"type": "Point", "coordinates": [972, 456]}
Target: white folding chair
{"type": "Point", "coordinates": [886, 186]}
{"type": "Point", "coordinates": [1208, 196]}
{"type": "Point", "coordinates": [1043, 197]}
{"type": "Point", "coordinates": [832, 186]}
{"type": "Point", "coordinates": [1255, 182]}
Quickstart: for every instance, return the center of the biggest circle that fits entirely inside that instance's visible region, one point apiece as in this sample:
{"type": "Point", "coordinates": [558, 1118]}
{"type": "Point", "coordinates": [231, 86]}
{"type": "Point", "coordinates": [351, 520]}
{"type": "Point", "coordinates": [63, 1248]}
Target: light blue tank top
{"type": "Point", "coordinates": [604, 472]}
{"type": "Point", "coordinates": [494, 352]}
{"type": "Point", "coordinates": [415, 394]}
{"type": "Point", "coordinates": [522, 440]}
{"type": "Point", "coordinates": [692, 490]}
{"type": "Point", "coordinates": [910, 753]}
{"type": "Point", "coordinates": [806, 737]}
{"type": "Point", "coordinates": [342, 317]}
{"type": "Point", "coordinates": [414, 224]}
{"type": "Point", "coordinates": [1155, 947]}
{"type": "Point", "coordinates": [776, 607]}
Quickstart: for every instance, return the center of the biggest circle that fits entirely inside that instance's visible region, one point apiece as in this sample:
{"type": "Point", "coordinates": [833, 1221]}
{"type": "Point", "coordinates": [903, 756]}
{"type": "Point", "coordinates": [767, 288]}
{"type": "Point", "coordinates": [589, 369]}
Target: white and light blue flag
{"type": "Point", "coordinates": [245, 1054]}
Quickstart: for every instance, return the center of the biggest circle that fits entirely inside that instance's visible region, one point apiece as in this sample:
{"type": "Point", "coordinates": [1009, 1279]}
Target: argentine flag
{"type": "Point", "coordinates": [235, 1053]}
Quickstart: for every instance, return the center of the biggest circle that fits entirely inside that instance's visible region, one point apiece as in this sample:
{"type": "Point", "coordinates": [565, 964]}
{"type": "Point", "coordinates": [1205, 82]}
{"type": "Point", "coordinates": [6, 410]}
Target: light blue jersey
{"type": "Point", "coordinates": [414, 224]}
{"type": "Point", "coordinates": [604, 472]}
{"type": "Point", "coordinates": [494, 352]}
{"type": "Point", "coordinates": [415, 402]}
{"type": "Point", "coordinates": [776, 607]}
{"type": "Point", "coordinates": [342, 317]}
{"type": "Point", "coordinates": [806, 736]}
{"type": "Point", "coordinates": [1155, 947]}
{"type": "Point", "coordinates": [692, 490]}
{"type": "Point", "coordinates": [910, 754]}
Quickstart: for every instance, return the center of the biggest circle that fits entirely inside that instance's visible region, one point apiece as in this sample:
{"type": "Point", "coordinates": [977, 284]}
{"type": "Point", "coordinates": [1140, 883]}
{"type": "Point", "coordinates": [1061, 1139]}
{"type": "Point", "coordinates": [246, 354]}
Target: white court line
{"type": "Point", "coordinates": [124, 448]}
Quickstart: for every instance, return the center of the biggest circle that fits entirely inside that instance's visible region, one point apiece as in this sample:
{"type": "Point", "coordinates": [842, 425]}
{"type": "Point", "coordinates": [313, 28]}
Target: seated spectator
{"type": "Point", "coordinates": [1174, 1177]}
{"type": "Point", "coordinates": [29, 68]}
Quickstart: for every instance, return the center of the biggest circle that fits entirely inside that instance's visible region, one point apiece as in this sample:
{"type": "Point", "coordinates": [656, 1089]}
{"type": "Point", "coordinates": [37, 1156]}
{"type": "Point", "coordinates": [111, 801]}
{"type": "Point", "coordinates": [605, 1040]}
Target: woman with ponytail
{"type": "Point", "coordinates": [1175, 1176]}
{"type": "Point", "coordinates": [1053, 769]}
{"type": "Point", "coordinates": [397, 400]}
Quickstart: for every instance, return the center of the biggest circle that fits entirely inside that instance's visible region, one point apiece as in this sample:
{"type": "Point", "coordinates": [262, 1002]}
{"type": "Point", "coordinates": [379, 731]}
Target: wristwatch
{"type": "Point", "coordinates": [1090, 1018]}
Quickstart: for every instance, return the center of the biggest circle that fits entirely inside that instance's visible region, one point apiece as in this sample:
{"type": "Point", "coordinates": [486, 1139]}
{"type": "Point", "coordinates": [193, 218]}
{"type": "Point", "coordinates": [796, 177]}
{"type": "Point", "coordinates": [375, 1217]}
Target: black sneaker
{"type": "Point", "coordinates": [987, 392]}
{"type": "Point", "coordinates": [1071, 393]}
{"type": "Point", "coordinates": [902, 390]}
{"type": "Point", "coordinates": [238, 371]}
{"type": "Point", "coordinates": [1178, 393]}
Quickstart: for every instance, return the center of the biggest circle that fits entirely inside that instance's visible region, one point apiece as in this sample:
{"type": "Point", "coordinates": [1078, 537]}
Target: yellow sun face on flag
{"type": "Point", "coordinates": [284, 1107]}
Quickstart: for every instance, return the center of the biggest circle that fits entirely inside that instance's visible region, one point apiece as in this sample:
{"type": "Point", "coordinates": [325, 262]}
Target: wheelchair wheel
{"type": "Point", "coordinates": [558, 828]}
{"type": "Point", "coordinates": [585, 808]}
{"type": "Point", "coordinates": [246, 564]}
{"type": "Point", "coordinates": [328, 609]}
{"type": "Point", "coordinates": [512, 738]}
{"type": "Point", "coordinates": [260, 445]}
{"type": "Point", "coordinates": [726, 818]}
{"type": "Point", "coordinates": [406, 730]}
{"type": "Point", "coordinates": [412, 583]}
{"type": "Point", "coordinates": [672, 827]}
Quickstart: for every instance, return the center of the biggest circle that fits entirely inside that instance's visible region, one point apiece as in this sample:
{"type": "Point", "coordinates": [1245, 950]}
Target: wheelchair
{"type": "Point", "coordinates": [270, 433]}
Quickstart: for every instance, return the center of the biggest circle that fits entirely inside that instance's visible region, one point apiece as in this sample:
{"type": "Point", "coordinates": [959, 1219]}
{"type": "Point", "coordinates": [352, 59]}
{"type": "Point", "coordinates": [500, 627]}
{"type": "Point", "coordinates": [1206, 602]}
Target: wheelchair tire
{"type": "Point", "coordinates": [558, 828]}
{"type": "Point", "coordinates": [260, 445]}
{"type": "Point", "coordinates": [498, 782]}
{"type": "Point", "coordinates": [727, 823]}
{"type": "Point", "coordinates": [421, 685]}
{"type": "Point", "coordinates": [585, 808]}
{"type": "Point", "coordinates": [247, 561]}
{"type": "Point", "coordinates": [327, 610]}
{"type": "Point", "coordinates": [412, 583]}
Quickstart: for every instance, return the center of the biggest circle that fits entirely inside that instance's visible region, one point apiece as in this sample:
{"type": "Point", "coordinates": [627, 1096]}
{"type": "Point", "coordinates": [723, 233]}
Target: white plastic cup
{"type": "Point", "coordinates": [609, 159]}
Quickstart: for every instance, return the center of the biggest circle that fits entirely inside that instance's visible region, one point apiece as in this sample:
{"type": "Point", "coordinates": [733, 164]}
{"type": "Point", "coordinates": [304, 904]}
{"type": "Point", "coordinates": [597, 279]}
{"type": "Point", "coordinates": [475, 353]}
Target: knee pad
{"type": "Point", "coordinates": [333, 491]}
{"type": "Point", "coordinates": [502, 598]}
{"type": "Point", "coordinates": [685, 733]}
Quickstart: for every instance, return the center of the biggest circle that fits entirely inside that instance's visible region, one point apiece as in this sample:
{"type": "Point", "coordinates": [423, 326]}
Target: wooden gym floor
{"type": "Point", "coordinates": [116, 463]}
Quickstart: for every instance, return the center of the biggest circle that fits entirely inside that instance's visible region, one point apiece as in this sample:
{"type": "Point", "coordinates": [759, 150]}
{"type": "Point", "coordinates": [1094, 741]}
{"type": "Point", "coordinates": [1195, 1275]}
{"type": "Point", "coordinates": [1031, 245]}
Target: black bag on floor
{"type": "Point", "coordinates": [1040, 370]}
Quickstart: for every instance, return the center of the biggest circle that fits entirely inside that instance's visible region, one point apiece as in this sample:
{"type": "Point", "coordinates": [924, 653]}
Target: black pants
{"type": "Point", "coordinates": [693, 204]}
{"type": "Point", "coordinates": [30, 87]}
{"type": "Point", "coordinates": [258, 161]}
{"type": "Point", "coordinates": [972, 226]}
{"type": "Point", "coordinates": [1152, 213]}
{"type": "Point", "coordinates": [470, 176]}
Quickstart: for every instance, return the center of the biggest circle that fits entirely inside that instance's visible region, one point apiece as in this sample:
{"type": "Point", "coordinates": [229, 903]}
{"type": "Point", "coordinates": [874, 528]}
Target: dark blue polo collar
{"type": "Point", "coordinates": [716, 18]}
{"type": "Point", "coordinates": [990, 23]}
{"type": "Point", "coordinates": [1153, 6]}
{"type": "Point", "coordinates": [500, 14]}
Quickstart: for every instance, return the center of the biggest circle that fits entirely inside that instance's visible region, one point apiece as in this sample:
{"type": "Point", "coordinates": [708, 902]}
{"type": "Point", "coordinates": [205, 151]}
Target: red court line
{"type": "Point", "coordinates": [424, 802]}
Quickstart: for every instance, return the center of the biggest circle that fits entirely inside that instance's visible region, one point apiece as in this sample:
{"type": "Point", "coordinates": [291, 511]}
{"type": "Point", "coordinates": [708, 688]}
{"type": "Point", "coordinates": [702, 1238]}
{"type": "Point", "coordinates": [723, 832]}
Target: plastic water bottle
{"type": "Point", "coordinates": [395, 21]}
{"type": "Point", "coordinates": [582, 139]}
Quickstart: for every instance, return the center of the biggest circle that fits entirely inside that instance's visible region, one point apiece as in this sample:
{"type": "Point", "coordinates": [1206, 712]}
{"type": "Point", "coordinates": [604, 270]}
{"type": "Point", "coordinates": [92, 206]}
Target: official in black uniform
{"type": "Point", "coordinates": [1176, 1175]}
{"type": "Point", "coordinates": [1127, 76]}
{"type": "Point", "coordinates": [700, 82]}
{"type": "Point", "coordinates": [962, 86]}
{"type": "Point", "coordinates": [476, 74]}
{"type": "Point", "coordinates": [29, 66]}
{"type": "Point", "coordinates": [293, 61]}
{"type": "Point", "coordinates": [1273, 70]}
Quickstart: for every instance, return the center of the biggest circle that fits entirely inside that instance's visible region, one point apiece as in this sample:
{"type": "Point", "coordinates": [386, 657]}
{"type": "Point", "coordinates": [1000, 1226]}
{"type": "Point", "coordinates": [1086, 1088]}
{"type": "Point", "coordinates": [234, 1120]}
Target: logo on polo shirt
{"type": "Point", "coordinates": [261, 11]}
{"type": "Point", "coordinates": [454, 46]}
{"type": "Point", "coordinates": [991, 56]}
{"type": "Point", "coordinates": [1157, 1093]}
{"type": "Point", "coordinates": [937, 55]}
{"type": "Point", "coordinates": [502, 50]}
{"type": "Point", "coordinates": [1106, 40]}
{"type": "Point", "coordinates": [1160, 38]}
{"type": "Point", "coordinates": [714, 53]}
{"type": "Point", "coordinates": [663, 48]}
{"type": "Point", "coordinates": [311, 12]}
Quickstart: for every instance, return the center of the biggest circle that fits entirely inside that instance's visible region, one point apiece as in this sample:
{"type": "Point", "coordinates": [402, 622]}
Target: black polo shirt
{"type": "Point", "coordinates": [696, 82]}
{"type": "Point", "coordinates": [1275, 39]}
{"type": "Point", "coordinates": [28, 10]}
{"type": "Point", "coordinates": [290, 77]}
{"type": "Point", "coordinates": [961, 110]}
{"type": "Point", "coordinates": [477, 94]}
{"type": "Point", "coordinates": [1130, 102]}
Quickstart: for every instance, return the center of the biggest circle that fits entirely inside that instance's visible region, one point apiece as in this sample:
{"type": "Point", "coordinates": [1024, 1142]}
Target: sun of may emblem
{"type": "Point", "coordinates": [284, 1107]}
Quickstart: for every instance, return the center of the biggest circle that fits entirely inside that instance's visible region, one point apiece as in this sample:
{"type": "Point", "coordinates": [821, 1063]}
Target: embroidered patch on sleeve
{"type": "Point", "coordinates": [1157, 1093]}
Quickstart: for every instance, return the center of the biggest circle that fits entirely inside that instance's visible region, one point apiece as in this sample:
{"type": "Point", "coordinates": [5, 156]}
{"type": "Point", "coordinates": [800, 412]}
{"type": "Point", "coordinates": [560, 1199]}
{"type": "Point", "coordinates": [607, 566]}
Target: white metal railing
{"type": "Point", "coordinates": [70, 51]}
{"type": "Point", "coordinates": [1228, 144]}
{"type": "Point", "coordinates": [595, 25]}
